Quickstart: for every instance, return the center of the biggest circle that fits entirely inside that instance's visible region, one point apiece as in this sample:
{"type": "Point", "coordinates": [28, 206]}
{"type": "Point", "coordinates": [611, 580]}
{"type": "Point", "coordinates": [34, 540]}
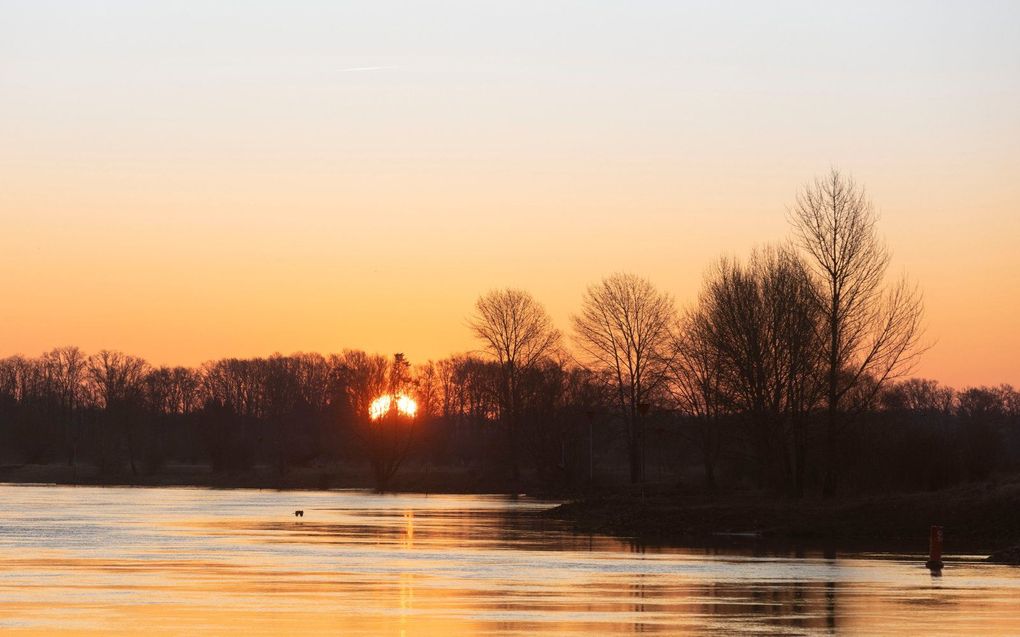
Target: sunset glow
{"type": "Point", "coordinates": [406, 406]}
{"type": "Point", "coordinates": [189, 181]}
{"type": "Point", "coordinates": [660, 272]}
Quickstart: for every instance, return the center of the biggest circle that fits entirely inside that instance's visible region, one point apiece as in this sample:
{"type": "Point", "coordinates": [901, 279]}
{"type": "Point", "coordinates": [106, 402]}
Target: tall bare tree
{"type": "Point", "coordinates": [624, 329]}
{"type": "Point", "coordinates": [515, 330]}
{"type": "Point", "coordinates": [871, 330]}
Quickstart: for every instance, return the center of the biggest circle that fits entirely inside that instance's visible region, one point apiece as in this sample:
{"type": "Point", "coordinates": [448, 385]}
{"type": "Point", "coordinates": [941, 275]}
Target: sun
{"type": "Point", "coordinates": [405, 406]}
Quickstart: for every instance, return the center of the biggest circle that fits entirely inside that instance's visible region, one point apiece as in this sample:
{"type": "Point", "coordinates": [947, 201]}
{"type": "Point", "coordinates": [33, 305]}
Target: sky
{"type": "Point", "coordinates": [193, 180]}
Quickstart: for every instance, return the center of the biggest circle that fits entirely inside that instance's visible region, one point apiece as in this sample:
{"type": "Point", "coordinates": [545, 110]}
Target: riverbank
{"type": "Point", "coordinates": [977, 519]}
{"type": "Point", "coordinates": [414, 478]}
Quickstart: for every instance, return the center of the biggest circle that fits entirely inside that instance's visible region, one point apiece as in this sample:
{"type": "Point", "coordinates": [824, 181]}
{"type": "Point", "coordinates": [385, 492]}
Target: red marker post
{"type": "Point", "coordinates": [934, 562]}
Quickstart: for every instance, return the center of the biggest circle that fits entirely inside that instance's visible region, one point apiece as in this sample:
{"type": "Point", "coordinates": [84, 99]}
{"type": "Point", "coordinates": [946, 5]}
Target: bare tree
{"type": "Point", "coordinates": [920, 395]}
{"type": "Point", "coordinates": [761, 320]}
{"type": "Point", "coordinates": [67, 368]}
{"type": "Point", "coordinates": [117, 382]}
{"type": "Point", "coordinates": [871, 330]}
{"type": "Point", "coordinates": [427, 389]}
{"type": "Point", "coordinates": [624, 328]}
{"type": "Point", "coordinates": [696, 385]}
{"type": "Point", "coordinates": [389, 435]}
{"type": "Point", "coordinates": [515, 330]}
{"type": "Point", "coordinates": [386, 437]}
{"type": "Point", "coordinates": [365, 379]}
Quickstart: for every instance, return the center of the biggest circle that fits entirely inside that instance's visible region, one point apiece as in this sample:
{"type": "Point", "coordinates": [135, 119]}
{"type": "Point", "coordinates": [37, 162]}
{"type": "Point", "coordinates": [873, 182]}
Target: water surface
{"type": "Point", "coordinates": [117, 561]}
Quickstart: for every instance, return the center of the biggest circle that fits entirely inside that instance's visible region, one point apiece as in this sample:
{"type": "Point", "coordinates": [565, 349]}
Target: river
{"type": "Point", "coordinates": [178, 561]}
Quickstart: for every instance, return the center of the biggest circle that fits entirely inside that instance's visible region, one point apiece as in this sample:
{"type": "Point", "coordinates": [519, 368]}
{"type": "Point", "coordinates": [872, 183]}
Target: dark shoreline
{"type": "Point", "coordinates": [413, 480]}
{"type": "Point", "coordinates": [977, 519]}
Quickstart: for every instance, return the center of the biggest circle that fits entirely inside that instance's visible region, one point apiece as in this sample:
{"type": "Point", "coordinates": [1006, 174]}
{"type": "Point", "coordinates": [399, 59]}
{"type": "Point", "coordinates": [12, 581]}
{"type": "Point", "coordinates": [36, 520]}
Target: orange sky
{"type": "Point", "coordinates": [187, 183]}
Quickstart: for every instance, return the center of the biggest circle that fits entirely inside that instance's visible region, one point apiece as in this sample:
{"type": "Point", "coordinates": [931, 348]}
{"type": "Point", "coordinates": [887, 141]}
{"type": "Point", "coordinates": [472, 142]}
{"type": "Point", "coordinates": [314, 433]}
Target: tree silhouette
{"type": "Point", "coordinates": [515, 330]}
{"type": "Point", "coordinates": [623, 328]}
{"type": "Point", "coordinates": [871, 331]}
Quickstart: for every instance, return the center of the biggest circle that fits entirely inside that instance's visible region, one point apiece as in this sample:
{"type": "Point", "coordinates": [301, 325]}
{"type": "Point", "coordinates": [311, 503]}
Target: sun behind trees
{"type": "Point", "coordinates": [389, 424]}
{"type": "Point", "coordinates": [782, 374]}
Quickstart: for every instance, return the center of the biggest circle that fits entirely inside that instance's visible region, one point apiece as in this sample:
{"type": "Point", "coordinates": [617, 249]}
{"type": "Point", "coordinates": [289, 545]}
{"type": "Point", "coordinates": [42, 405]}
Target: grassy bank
{"type": "Point", "coordinates": [976, 518]}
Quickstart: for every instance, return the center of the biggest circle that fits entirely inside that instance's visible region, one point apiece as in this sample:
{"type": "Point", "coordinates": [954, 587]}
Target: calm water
{"type": "Point", "coordinates": [105, 561]}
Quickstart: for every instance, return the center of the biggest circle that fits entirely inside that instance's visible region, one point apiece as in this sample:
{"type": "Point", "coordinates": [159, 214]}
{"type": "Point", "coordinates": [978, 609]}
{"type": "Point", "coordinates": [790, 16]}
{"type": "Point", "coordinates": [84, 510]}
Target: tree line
{"type": "Point", "coordinates": [788, 371]}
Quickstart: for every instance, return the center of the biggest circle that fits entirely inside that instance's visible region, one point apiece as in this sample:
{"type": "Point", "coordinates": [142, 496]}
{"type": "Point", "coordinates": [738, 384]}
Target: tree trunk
{"type": "Point", "coordinates": [637, 474]}
{"type": "Point", "coordinates": [709, 471]}
{"type": "Point", "coordinates": [829, 481]}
